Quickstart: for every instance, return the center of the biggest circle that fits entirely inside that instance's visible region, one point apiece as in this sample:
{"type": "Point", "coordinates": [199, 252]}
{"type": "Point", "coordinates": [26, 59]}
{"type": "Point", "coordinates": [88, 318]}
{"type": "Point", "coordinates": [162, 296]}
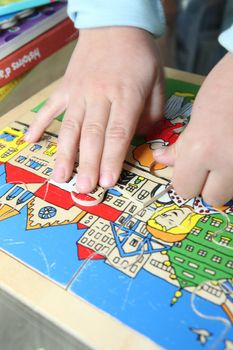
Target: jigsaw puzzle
{"type": "Point", "coordinates": [160, 264]}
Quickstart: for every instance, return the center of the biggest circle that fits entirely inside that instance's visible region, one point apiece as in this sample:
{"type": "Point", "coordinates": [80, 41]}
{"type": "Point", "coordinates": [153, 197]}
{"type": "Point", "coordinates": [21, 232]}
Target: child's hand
{"type": "Point", "coordinates": [113, 81]}
{"type": "Point", "coordinates": [203, 155]}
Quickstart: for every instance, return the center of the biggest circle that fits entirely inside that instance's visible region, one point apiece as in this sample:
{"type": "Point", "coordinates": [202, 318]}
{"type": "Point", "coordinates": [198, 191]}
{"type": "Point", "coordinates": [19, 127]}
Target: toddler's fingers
{"type": "Point", "coordinates": [55, 105]}
{"type": "Point", "coordinates": [218, 188]}
{"type": "Point", "coordinates": [154, 107]}
{"type": "Point", "coordinates": [68, 142]}
{"type": "Point", "coordinates": [92, 142]}
{"type": "Point", "coordinates": [165, 155]}
{"type": "Point", "coordinates": [189, 173]}
{"type": "Point", "coordinates": [124, 116]}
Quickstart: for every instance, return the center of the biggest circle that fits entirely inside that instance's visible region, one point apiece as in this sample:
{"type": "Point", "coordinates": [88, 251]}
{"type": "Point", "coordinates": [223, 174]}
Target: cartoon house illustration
{"type": "Point", "coordinates": [117, 230]}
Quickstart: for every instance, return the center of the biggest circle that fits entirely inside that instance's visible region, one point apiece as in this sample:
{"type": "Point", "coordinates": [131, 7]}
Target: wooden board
{"type": "Point", "coordinates": [117, 311]}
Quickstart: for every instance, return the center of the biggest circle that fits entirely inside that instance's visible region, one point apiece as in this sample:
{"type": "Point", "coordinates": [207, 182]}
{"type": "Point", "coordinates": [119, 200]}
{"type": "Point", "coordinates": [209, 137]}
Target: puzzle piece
{"type": "Point", "coordinates": [137, 255]}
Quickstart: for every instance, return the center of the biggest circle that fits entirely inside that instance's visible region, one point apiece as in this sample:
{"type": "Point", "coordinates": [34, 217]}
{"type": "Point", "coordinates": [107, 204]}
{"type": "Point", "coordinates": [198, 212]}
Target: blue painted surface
{"type": "Point", "coordinates": [142, 303]}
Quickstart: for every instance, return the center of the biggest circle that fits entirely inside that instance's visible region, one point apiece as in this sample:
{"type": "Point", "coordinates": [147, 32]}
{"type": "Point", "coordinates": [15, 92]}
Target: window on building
{"type": "Point", "coordinates": [189, 248]}
{"type": "Point", "coordinates": [84, 240]}
{"type": "Point", "coordinates": [133, 268]}
{"type": "Point", "coordinates": [95, 190]}
{"type": "Point", "coordinates": [34, 164]}
{"type": "Point", "coordinates": [132, 208]}
{"type": "Point", "coordinates": [14, 193]}
{"type": "Point", "coordinates": [35, 148]}
{"type": "Point", "coordinates": [178, 244]}
{"type": "Point", "coordinates": [209, 271]}
{"type": "Point", "coordinates": [205, 218]}
{"type": "Point", "coordinates": [111, 241]}
{"type": "Point", "coordinates": [133, 242]}
{"type": "Point", "coordinates": [105, 228]}
{"type": "Point", "coordinates": [153, 262]}
{"type": "Point", "coordinates": [130, 224]}
{"type": "Point", "coordinates": [193, 265]}
{"type": "Point", "coordinates": [119, 203]}
{"type": "Point", "coordinates": [20, 159]}
{"type": "Point", "coordinates": [216, 222]}
{"type": "Point", "coordinates": [90, 233]}
{"type": "Point", "coordinates": [209, 236]}
{"type": "Point", "coordinates": [229, 228]}
{"type": "Point", "coordinates": [230, 264]}
{"type": "Point", "coordinates": [216, 259]}
{"type": "Point", "coordinates": [122, 219]}
{"type": "Point", "coordinates": [26, 196]}
{"type": "Point", "coordinates": [116, 260]}
{"type": "Point", "coordinates": [179, 259]}
{"type": "Point", "coordinates": [124, 264]}
{"type": "Point", "coordinates": [202, 252]}
{"type": "Point", "coordinates": [9, 152]}
{"type": "Point", "coordinates": [143, 229]}
{"type": "Point", "coordinates": [224, 241]}
{"type": "Point", "coordinates": [105, 238]}
{"type": "Point", "coordinates": [51, 149]}
{"type": "Point", "coordinates": [143, 194]}
{"type": "Point", "coordinates": [48, 171]}
{"type": "Point", "coordinates": [7, 137]}
{"type": "Point", "coordinates": [142, 213]}
{"type": "Point", "coordinates": [91, 243]}
{"type": "Point", "coordinates": [130, 188]}
{"type": "Point", "coordinates": [108, 198]}
{"type": "Point", "coordinates": [98, 247]}
{"type": "Point", "coordinates": [195, 231]}
{"type": "Point", "coordinates": [98, 235]}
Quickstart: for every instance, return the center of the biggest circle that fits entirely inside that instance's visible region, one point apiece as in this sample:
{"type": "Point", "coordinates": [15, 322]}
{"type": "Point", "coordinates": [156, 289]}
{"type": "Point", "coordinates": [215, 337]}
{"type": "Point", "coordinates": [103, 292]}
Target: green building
{"type": "Point", "coordinates": [204, 255]}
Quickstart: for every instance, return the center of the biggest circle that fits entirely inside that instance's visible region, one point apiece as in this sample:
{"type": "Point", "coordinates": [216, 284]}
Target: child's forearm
{"type": "Point", "coordinates": [144, 14]}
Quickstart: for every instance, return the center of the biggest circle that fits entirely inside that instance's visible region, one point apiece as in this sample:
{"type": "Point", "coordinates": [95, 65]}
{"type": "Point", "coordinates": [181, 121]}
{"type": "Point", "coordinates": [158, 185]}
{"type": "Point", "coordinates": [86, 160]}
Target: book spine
{"type": "Point", "coordinates": [36, 51]}
{"type": "Point", "coordinates": [22, 5]}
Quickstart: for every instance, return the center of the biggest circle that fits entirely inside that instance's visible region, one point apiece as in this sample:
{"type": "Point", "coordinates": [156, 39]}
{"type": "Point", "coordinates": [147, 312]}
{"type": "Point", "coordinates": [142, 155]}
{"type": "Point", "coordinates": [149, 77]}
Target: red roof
{"type": "Point", "coordinates": [62, 199]}
{"type": "Point", "coordinates": [15, 174]}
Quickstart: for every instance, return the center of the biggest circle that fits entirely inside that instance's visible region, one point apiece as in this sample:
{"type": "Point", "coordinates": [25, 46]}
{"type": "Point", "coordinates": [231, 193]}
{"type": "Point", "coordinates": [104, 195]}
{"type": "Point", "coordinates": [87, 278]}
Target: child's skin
{"type": "Point", "coordinates": [202, 157]}
{"type": "Point", "coordinates": [114, 83]}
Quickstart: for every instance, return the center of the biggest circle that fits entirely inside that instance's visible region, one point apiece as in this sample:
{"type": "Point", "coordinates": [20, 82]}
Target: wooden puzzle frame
{"type": "Point", "coordinates": [88, 324]}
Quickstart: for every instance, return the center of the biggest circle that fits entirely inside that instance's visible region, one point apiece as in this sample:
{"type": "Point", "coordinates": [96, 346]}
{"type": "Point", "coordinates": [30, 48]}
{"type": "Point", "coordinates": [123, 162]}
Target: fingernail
{"type": "Point", "coordinates": [84, 184]}
{"type": "Point", "coordinates": [59, 173]}
{"type": "Point", "coordinates": [106, 180]}
{"type": "Point", "coordinates": [27, 136]}
{"type": "Point", "coordinates": [159, 152]}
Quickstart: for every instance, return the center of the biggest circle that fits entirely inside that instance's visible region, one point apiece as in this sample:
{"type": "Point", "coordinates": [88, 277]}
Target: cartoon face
{"type": "Point", "coordinates": [172, 223]}
{"type": "Point", "coordinates": [173, 218]}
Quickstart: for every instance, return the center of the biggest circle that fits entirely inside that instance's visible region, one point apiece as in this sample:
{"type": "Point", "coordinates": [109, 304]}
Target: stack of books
{"type": "Point", "coordinates": [30, 31]}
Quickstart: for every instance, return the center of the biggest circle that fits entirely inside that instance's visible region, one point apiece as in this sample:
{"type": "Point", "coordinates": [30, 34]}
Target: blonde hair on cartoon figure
{"type": "Point", "coordinates": [172, 223]}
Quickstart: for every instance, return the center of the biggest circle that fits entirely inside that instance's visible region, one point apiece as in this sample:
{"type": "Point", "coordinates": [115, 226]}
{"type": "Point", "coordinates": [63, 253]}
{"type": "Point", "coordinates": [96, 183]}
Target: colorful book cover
{"type": "Point", "coordinates": [8, 6]}
{"type": "Point", "coordinates": [164, 269]}
{"type": "Point", "coordinates": [31, 27]}
{"type": "Point", "coordinates": [36, 50]}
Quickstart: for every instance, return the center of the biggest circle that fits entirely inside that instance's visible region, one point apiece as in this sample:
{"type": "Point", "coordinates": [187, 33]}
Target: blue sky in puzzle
{"type": "Point", "coordinates": [143, 303]}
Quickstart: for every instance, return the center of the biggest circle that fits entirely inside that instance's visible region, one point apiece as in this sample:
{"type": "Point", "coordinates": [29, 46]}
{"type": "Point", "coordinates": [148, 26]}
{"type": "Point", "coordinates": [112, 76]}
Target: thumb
{"type": "Point", "coordinates": [165, 155]}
